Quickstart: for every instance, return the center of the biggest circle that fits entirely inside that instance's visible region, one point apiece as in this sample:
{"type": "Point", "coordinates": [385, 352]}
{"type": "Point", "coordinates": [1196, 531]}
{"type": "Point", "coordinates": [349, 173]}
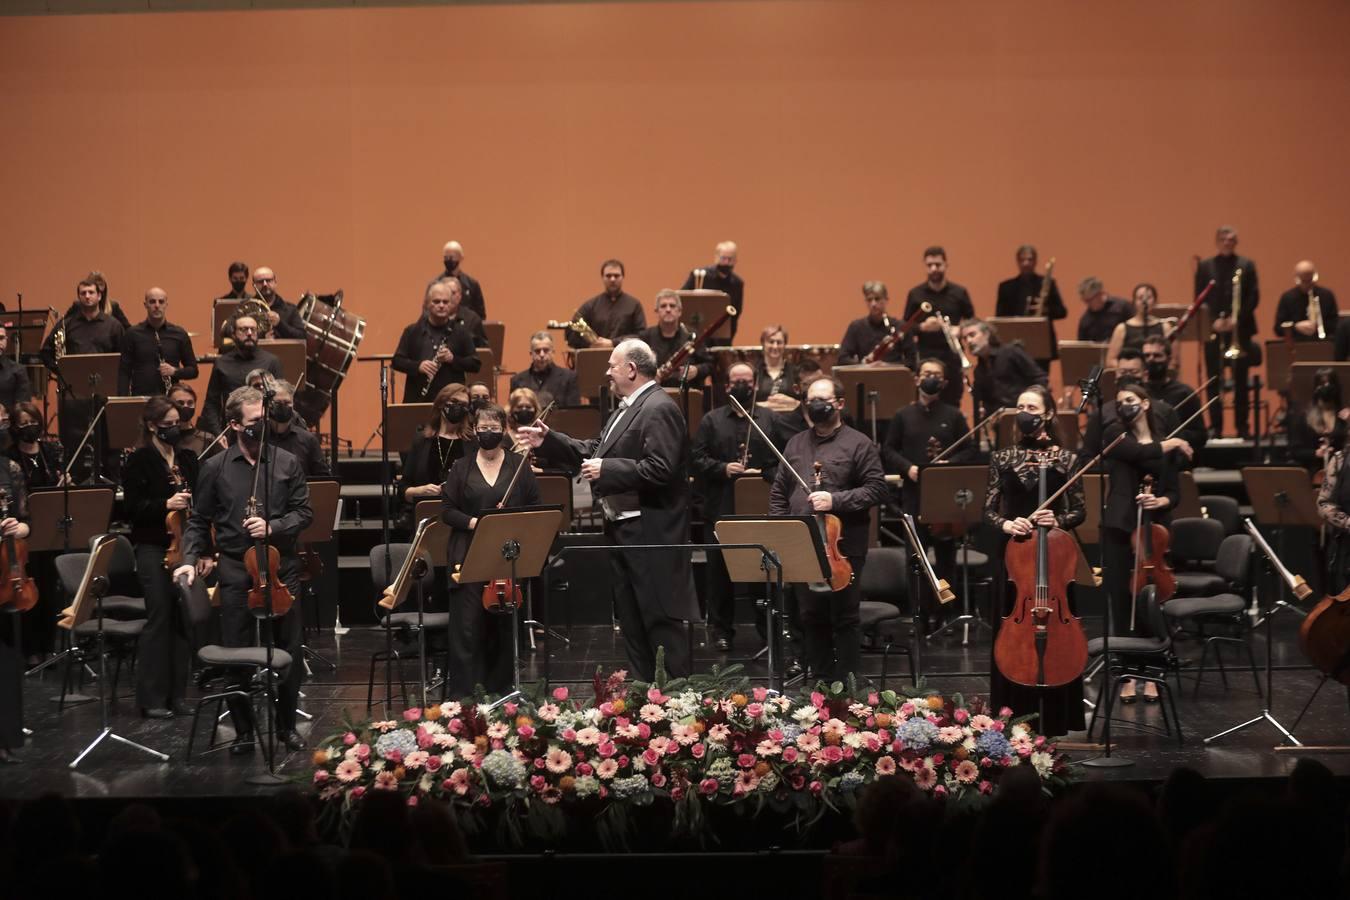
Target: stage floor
{"type": "Point", "coordinates": [114, 770]}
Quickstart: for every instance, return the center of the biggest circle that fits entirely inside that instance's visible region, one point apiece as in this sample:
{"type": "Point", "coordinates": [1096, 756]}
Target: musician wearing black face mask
{"type": "Point", "coordinates": [443, 440]}
{"type": "Point", "coordinates": [300, 442]}
{"type": "Point", "coordinates": [452, 254]}
{"type": "Point", "coordinates": [1181, 397]}
{"type": "Point", "coordinates": [725, 449]}
{"type": "Point", "coordinates": [721, 277]}
{"type": "Point", "coordinates": [184, 399]}
{"type": "Point", "coordinates": [433, 351]}
{"type": "Point", "coordinates": [480, 396]}
{"type": "Point", "coordinates": [1317, 429]}
{"type": "Point", "coordinates": [523, 407]}
{"type": "Point", "coordinates": [230, 371]}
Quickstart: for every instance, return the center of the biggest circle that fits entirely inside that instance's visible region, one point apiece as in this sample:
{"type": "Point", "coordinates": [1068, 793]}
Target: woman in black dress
{"type": "Point", "coordinates": [1013, 493]}
{"type": "Point", "coordinates": [443, 440]}
{"type": "Point", "coordinates": [775, 377]}
{"type": "Point", "coordinates": [480, 641]}
{"type": "Point", "coordinates": [159, 478]}
{"type": "Point", "coordinates": [1318, 430]}
{"type": "Point", "coordinates": [13, 523]}
{"type": "Point", "coordinates": [1143, 324]}
{"type": "Point", "coordinates": [40, 461]}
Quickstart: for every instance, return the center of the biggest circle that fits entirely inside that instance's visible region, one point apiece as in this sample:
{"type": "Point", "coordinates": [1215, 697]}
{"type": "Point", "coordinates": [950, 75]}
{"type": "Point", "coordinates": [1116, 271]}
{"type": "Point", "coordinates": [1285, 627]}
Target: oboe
{"type": "Point", "coordinates": [435, 350]}
{"type": "Point", "coordinates": [159, 353]}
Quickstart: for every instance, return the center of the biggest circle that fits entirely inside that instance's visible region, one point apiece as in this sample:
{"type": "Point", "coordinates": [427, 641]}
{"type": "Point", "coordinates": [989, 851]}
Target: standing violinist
{"type": "Point", "coordinates": [14, 523]}
{"type": "Point", "coordinates": [226, 483]}
{"type": "Point", "coordinates": [1013, 494]}
{"type": "Point", "coordinates": [40, 461]}
{"type": "Point", "coordinates": [852, 482]}
{"type": "Point", "coordinates": [1143, 452]}
{"type": "Point", "coordinates": [480, 641]}
{"type": "Point", "coordinates": [918, 433]}
{"type": "Point", "coordinates": [159, 478]}
{"type": "Point", "coordinates": [864, 334]}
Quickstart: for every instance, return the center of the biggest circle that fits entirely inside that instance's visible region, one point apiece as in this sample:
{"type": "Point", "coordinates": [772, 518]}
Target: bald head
{"type": "Point", "coordinates": [453, 254]}
{"type": "Point", "coordinates": [1305, 274]}
{"type": "Point", "coordinates": [264, 283]}
{"type": "Point", "coordinates": [156, 304]}
{"type": "Point", "coordinates": [726, 255]}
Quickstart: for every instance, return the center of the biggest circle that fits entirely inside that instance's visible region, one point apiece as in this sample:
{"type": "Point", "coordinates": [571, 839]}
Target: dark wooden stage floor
{"type": "Point", "coordinates": [116, 771]}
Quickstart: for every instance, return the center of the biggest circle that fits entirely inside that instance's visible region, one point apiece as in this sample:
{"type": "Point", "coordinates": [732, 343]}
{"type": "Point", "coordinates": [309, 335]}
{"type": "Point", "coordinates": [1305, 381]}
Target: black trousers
{"type": "Point", "coordinates": [1117, 577]}
{"type": "Point", "coordinates": [1214, 365]}
{"type": "Point", "coordinates": [642, 581]}
{"type": "Point", "coordinates": [39, 623]}
{"type": "Point", "coordinates": [480, 644]}
{"type": "Point", "coordinates": [721, 598]}
{"type": "Point", "coordinates": [163, 657]}
{"type": "Point", "coordinates": [11, 681]}
{"type": "Point", "coordinates": [832, 628]}
{"type": "Point", "coordinates": [237, 628]}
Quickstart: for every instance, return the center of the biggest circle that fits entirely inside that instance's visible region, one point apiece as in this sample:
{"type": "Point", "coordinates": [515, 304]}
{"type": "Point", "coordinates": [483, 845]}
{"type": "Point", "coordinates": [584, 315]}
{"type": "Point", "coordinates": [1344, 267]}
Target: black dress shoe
{"type": "Point", "coordinates": [182, 709]}
{"type": "Point", "coordinates": [292, 740]}
{"type": "Point", "coordinates": [157, 712]}
{"type": "Point", "coordinates": [722, 645]}
{"type": "Point", "coordinates": [242, 745]}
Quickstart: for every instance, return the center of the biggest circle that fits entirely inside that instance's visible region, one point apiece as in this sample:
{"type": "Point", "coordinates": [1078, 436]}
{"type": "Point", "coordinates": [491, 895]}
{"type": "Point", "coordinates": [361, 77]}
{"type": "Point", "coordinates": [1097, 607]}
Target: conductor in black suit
{"type": "Point", "coordinates": [639, 471]}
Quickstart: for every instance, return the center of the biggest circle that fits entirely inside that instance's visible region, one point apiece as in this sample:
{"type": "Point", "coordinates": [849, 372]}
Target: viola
{"type": "Point", "coordinates": [263, 563]}
{"type": "Point", "coordinates": [1150, 548]}
{"type": "Point", "coordinates": [17, 589]}
{"type": "Point", "coordinates": [175, 522]}
{"type": "Point", "coordinates": [503, 594]}
{"type": "Point", "coordinates": [1041, 642]}
{"type": "Point", "coordinates": [841, 570]}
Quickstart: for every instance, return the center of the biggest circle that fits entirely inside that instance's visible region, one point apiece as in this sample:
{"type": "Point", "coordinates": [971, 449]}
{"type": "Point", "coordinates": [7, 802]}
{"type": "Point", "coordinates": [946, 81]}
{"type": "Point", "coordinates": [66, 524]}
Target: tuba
{"type": "Point", "coordinates": [253, 307]}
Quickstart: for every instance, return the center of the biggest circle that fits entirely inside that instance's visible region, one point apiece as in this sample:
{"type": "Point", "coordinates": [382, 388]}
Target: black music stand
{"type": "Point", "coordinates": [514, 544]}
{"type": "Point", "coordinates": [89, 602]}
{"type": "Point", "coordinates": [1282, 498]}
{"type": "Point", "coordinates": [794, 553]}
{"type": "Point", "coordinates": [325, 501]}
{"type": "Point", "coordinates": [878, 392]}
{"type": "Point", "coordinates": [412, 570]}
{"type": "Point", "coordinates": [954, 495]}
{"type": "Point", "coordinates": [698, 308]}
{"type": "Point", "coordinates": [91, 378]}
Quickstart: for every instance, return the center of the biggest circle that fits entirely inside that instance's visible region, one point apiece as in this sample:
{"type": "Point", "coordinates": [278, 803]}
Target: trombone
{"type": "Point", "coordinates": [1235, 350]}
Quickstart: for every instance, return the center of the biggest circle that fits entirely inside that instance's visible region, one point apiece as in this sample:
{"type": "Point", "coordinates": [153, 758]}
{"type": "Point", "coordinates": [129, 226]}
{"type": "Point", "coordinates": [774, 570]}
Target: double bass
{"type": "Point", "coordinates": [17, 588]}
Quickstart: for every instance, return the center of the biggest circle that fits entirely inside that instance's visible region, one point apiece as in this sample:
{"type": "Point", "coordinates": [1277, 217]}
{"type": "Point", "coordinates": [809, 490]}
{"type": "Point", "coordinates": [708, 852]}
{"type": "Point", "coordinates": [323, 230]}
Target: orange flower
{"type": "Point", "coordinates": [739, 699]}
{"type": "Point", "coordinates": [699, 727]}
{"type": "Point", "coordinates": [432, 712]}
{"type": "Point", "coordinates": [961, 753]}
{"type": "Point", "coordinates": [935, 703]}
{"type": "Point", "coordinates": [481, 742]}
{"type": "Point", "coordinates": [320, 758]}
{"type": "Point", "coordinates": [762, 768]}
{"type": "Point", "coordinates": [567, 783]}
{"type": "Point", "coordinates": [883, 720]}
{"type": "Point", "coordinates": [619, 706]}
{"type": "Point", "coordinates": [523, 720]}
{"type": "Point", "coordinates": [399, 772]}
{"type": "Point", "coordinates": [833, 739]}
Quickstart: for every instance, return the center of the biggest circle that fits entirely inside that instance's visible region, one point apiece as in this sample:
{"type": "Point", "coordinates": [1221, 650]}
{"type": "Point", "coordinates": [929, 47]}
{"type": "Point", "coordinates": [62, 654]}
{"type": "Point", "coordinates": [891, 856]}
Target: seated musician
{"type": "Point", "coordinates": [480, 396]}
{"type": "Point", "coordinates": [721, 277]}
{"type": "Point", "coordinates": [444, 439]}
{"type": "Point", "coordinates": [159, 478]}
{"type": "Point", "coordinates": [480, 641]}
{"type": "Point", "coordinates": [1181, 397]}
{"type": "Point", "coordinates": [1142, 453]}
{"type": "Point", "coordinates": [283, 317]}
{"type": "Point", "coordinates": [918, 433]}
{"type": "Point", "coordinates": [230, 371]}
{"type": "Point", "coordinates": [666, 338]}
{"type": "Point", "coordinates": [1317, 430]}
{"type": "Point", "coordinates": [1013, 494]}
{"type": "Point", "coordinates": [1142, 324]}
{"type": "Point", "coordinates": [543, 376]}
{"type": "Point", "coordinates": [288, 432]}
{"type": "Point", "coordinates": [523, 407]}
{"type": "Point", "coordinates": [611, 314]}
{"type": "Point", "coordinates": [433, 352]}
{"type": "Point", "coordinates": [1002, 371]}
{"type": "Point", "coordinates": [238, 275]}
{"type": "Point", "coordinates": [226, 482]}
{"type": "Point", "coordinates": [12, 658]}
{"type": "Point", "coordinates": [863, 335]}
{"type": "Point", "coordinates": [39, 459]}
{"type": "Point", "coordinates": [1307, 312]}
{"type": "Point", "coordinates": [1101, 311]}
{"type": "Point", "coordinates": [775, 376]}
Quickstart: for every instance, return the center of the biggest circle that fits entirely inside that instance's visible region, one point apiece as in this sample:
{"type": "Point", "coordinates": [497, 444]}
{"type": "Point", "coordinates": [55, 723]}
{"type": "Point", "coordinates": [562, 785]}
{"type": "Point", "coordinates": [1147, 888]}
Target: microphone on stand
{"type": "Point", "coordinates": [1089, 387]}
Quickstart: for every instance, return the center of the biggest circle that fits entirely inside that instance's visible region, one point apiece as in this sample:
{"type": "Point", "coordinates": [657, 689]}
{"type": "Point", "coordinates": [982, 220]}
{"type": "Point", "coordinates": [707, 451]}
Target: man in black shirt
{"type": "Point", "coordinates": [721, 277]}
{"type": "Point", "coordinates": [285, 318]}
{"type": "Point", "coordinates": [1307, 311]}
{"type": "Point", "coordinates": [453, 256]}
{"type": "Point", "coordinates": [1181, 397]}
{"type": "Point", "coordinates": [89, 330]}
{"type": "Point", "coordinates": [1017, 296]}
{"type": "Point", "coordinates": [612, 315]}
{"type": "Point", "coordinates": [14, 384]}
{"type": "Point", "coordinates": [434, 351]}
{"type": "Point", "coordinates": [238, 275]}
{"type": "Point", "coordinates": [225, 484]}
{"type": "Point", "coordinates": [948, 300]}
{"type": "Point", "coordinates": [462, 317]}
{"type": "Point", "coordinates": [668, 335]}
{"type": "Point", "coordinates": [862, 335]}
{"type": "Point", "coordinates": [726, 448]}
{"type": "Point", "coordinates": [1223, 267]}
{"type": "Point", "coordinates": [1130, 370]}
{"type": "Point", "coordinates": [543, 376]}
{"type": "Point", "coordinates": [286, 431]}
{"type": "Point", "coordinates": [1001, 371]}
{"type": "Point", "coordinates": [1103, 312]}
{"type": "Point", "coordinates": [155, 352]}
{"type": "Point", "coordinates": [852, 483]}
{"type": "Point", "coordinates": [230, 371]}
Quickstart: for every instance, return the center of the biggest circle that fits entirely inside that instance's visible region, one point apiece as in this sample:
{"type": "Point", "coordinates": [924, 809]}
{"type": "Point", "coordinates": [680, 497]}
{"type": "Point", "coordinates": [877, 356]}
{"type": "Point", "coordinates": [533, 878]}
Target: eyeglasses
{"type": "Point", "coordinates": [489, 431]}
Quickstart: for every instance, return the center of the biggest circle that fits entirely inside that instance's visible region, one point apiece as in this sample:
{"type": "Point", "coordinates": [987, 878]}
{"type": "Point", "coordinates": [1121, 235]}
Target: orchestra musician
{"type": "Point", "coordinates": [721, 277]}
{"type": "Point", "coordinates": [184, 399]}
{"type": "Point", "coordinates": [238, 275]}
{"type": "Point", "coordinates": [523, 407]}
{"type": "Point", "coordinates": [452, 255]}
{"type": "Point", "coordinates": [1013, 493]}
{"type": "Point", "coordinates": [1317, 431]}
{"type": "Point", "coordinates": [1002, 371]}
{"type": "Point", "coordinates": [1020, 295]}
{"type": "Point", "coordinates": [224, 487]}
{"type": "Point", "coordinates": [611, 314]}
{"type": "Point", "coordinates": [668, 335]}
{"type": "Point", "coordinates": [918, 433]}
{"type": "Point", "coordinates": [156, 354]}
{"type": "Point", "coordinates": [543, 376]}
{"type": "Point", "coordinates": [108, 307]}
{"type": "Point", "coordinates": [480, 396]}
{"type": "Point", "coordinates": [462, 318]}
{"type": "Point", "coordinates": [285, 318]}
{"type": "Point", "coordinates": [1130, 371]}
{"type": "Point", "coordinates": [159, 477]}
{"type": "Point", "coordinates": [725, 449]}
{"type": "Point", "coordinates": [287, 432]}
{"type": "Point", "coordinates": [1333, 503]}
{"type": "Point", "coordinates": [480, 641]}
{"type": "Point", "coordinates": [1143, 452]}
{"type": "Point", "coordinates": [775, 376]}
{"type": "Point", "coordinates": [432, 352]}
{"type": "Point", "coordinates": [447, 437]}
{"type": "Point", "coordinates": [40, 462]}
{"type": "Point", "coordinates": [12, 658]}
{"type": "Point", "coordinates": [1165, 388]}
{"type": "Point", "coordinates": [1102, 312]}
{"type": "Point", "coordinates": [791, 422]}
{"type": "Point", "coordinates": [948, 299]}
{"type": "Point", "coordinates": [1238, 335]}
{"type": "Point", "coordinates": [230, 371]}
{"type": "Point", "coordinates": [852, 483]}
{"type": "Point", "coordinates": [1307, 312]}
{"type": "Point", "coordinates": [638, 470]}
{"type": "Point", "coordinates": [14, 384]}
{"type": "Point", "coordinates": [862, 335]}
{"type": "Point", "coordinates": [1143, 324]}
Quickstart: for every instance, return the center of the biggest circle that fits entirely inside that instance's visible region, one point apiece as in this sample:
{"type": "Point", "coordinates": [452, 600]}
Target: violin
{"type": "Point", "coordinates": [263, 563]}
{"type": "Point", "coordinates": [503, 594]}
{"type": "Point", "coordinates": [1150, 548]}
{"type": "Point", "coordinates": [175, 522]}
{"type": "Point", "coordinates": [841, 570]}
{"type": "Point", "coordinates": [17, 589]}
{"type": "Point", "coordinates": [1041, 642]}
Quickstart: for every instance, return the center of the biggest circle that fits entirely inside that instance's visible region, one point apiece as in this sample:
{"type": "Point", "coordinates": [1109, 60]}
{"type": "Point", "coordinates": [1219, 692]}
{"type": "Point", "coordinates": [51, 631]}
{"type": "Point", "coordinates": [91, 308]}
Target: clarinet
{"type": "Point", "coordinates": [159, 353]}
{"type": "Point", "coordinates": [435, 349]}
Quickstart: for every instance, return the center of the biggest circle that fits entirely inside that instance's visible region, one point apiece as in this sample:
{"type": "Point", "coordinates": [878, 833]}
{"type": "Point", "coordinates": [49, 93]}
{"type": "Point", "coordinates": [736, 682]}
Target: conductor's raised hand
{"type": "Point", "coordinates": [532, 435]}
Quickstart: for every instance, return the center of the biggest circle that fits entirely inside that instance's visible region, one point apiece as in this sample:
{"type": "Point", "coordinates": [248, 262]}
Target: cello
{"type": "Point", "coordinates": [17, 588]}
{"type": "Point", "coordinates": [1150, 547]}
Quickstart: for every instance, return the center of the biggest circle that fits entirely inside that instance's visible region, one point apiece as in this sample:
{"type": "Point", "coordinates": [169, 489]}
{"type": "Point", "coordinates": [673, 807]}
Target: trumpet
{"type": "Point", "coordinates": [1036, 305]}
{"type": "Point", "coordinates": [1234, 349]}
{"type": "Point", "coordinates": [579, 327]}
{"type": "Point", "coordinates": [59, 340]}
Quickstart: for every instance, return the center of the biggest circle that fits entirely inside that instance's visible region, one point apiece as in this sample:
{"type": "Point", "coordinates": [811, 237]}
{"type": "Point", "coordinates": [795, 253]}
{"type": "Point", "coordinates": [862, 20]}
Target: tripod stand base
{"type": "Point", "coordinates": [1107, 762]}
{"type": "Point", "coordinates": [267, 779]}
{"type": "Point", "coordinates": [1264, 717]}
{"type": "Point", "coordinates": [966, 619]}
{"type": "Point", "coordinates": [107, 732]}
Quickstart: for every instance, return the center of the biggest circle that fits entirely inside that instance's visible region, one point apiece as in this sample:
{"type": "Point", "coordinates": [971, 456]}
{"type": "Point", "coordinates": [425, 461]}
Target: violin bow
{"type": "Point", "coordinates": [1192, 416]}
{"type": "Point", "coordinates": [525, 460]}
{"type": "Point", "coordinates": [965, 437]}
{"type": "Point", "coordinates": [1196, 391]}
{"type": "Point", "coordinates": [781, 458]}
{"type": "Point", "coordinates": [1082, 470]}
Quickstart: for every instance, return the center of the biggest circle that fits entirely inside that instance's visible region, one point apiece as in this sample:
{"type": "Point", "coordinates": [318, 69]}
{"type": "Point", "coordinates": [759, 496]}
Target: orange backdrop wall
{"type": "Point", "coordinates": [832, 140]}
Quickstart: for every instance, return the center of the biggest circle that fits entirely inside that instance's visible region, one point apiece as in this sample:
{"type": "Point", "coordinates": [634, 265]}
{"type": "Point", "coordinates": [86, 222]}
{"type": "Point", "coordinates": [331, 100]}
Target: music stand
{"type": "Point", "coordinates": [792, 546]}
{"type": "Point", "coordinates": [412, 570]}
{"type": "Point", "coordinates": [1282, 498]}
{"type": "Point", "coordinates": [90, 375]}
{"type": "Point", "coordinates": [1076, 359]}
{"type": "Point", "coordinates": [292, 355]}
{"type": "Point", "coordinates": [89, 602]}
{"type": "Point", "coordinates": [580, 422]}
{"type": "Point", "coordinates": [703, 307]}
{"type": "Point", "coordinates": [406, 421]}
{"type": "Point", "coordinates": [1034, 333]}
{"type": "Point", "coordinates": [690, 402]}
{"type": "Point", "coordinates": [512, 544]}
{"type": "Point", "coordinates": [1281, 356]}
{"type": "Point", "coordinates": [1188, 503]}
{"type": "Point", "coordinates": [124, 421]}
{"type": "Point", "coordinates": [29, 323]}
{"type": "Point", "coordinates": [324, 500]}
{"type": "Point", "coordinates": [222, 310]}
{"type": "Point", "coordinates": [1090, 532]}
{"type": "Point", "coordinates": [90, 512]}
{"type": "Point", "coordinates": [436, 541]}
{"type": "Point", "coordinates": [496, 337]}
{"type": "Point", "coordinates": [954, 495]}
{"type": "Point", "coordinates": [881, 391]}
{"type": "Point", "coordinates": [593, 372]}
{"type": "Point", "coordinates": [750, 496]}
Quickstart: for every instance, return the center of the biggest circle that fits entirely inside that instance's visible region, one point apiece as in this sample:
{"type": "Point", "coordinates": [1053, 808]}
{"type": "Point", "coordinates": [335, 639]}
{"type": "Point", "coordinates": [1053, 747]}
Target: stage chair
{"type": "Point", "coordinates": [1225, 509]}
{"type": "Point", "coordinates": [383, 568]}
{"type": "Point", "coordinates": [125, 598]}
{"type": "Point", "coordinates": [1146, 659]}
{"type": "Point", "coordinates": [884, 588]}
{"type": "Point", "coordinates": [120, 635]}
{"type": "Point", "coordinates": [1194, 548]}
{"type": "Point", "coordinates": [1225, 608]}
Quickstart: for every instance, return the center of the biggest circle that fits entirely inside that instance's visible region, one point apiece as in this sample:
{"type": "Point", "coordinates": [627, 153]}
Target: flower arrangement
{"type": "Point", "coordinates": [710, 740]}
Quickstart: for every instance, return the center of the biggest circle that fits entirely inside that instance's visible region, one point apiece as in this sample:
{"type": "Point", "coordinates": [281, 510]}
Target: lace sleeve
{"type": "Point", "coordinates": [1331, 511]}
{"type": "Point", "coordinates": [993, 497]}
{"type": "Point", "coordinates": [1073, 505]}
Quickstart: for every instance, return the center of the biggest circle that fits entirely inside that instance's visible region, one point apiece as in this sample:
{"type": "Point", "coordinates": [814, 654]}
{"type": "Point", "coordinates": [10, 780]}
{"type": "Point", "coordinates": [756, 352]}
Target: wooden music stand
{"type": "Point", "coordinates": [750, 496]}
{"type": "Point", "coordinates": [1301, 379]}
{"type": "Point", "coordinates": [222, 309]}
{"type": "Point", "coordinates": [291, 354]}
{"type": "Point", "coordinates": [496, 337]}
{"type": "Point", "coordinates": [487, 373]}
{"type": "Point", "coordinates": [580, 422]}
{"type": "Point", "coordinates": [90, 512]}
{"type": "Point", "coordinates": [88, 374]}
{"type": "Point", "coordinates": [954, 495]}
{"type": "Point", "coordinates": [1033, 331]}
{"type": "Point", "coordinates": [406, 421]}
{"type": "Point", "coordinates": [1076, 359]}
{"type": "Point", "coordinates": [700, 309]}
{"type": "Point", "coordinates": [26, 331]}
{"type": "Point", "coordinates": [693, 413]}
{"type": "Point", "coordinates": [436, 541]}
{"type": "Point", "coordinates": [876, 393]}
{"type": "Point", "coordinates": [1090, 532]}
{"type": "Point", "coordinates": [592, 371]}
{"type": "Point", "coordinates": [324, 500]}
{"type": "Point", "coordinates": [124, 421]}
{"type": "Point", "coordinates": [1281, 356]}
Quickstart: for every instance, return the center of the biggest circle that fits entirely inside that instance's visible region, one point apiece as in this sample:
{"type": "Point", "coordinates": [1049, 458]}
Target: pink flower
{"type": "Point", "coordinates": [607, 709]}
{"type": "Point", "coordinates": [654, 695]}
{"type": "Point", "coordinates": [321, 775]}
{"type": "Point", "coordinates": [831, 754]}
{"type": "Point", "coordinates": [412, 715]}
{"type": "Point", "coordinates": [585, 769]}
{"type": "Point", "coordinates": [525, 731]}
{"type": "Point", "coordinates": [348, 770]}
{"type": "Point", "coordinates": [961, 716]}
{"type": "Point", "coordinates": [925, 778]}
{"type": "Point", "coordinates": [808, 742]}
{"type": "Point", "coordinates": [760, 694]}
{"type": "Point", "coordinates": [816, 787]}
{"type": "Point", "coordinates": [684, 734]}
{"type": "Point", "coordinates": [358, 793]}
{"type": "Point", "coordinates": [718, 733]}
{"type": "Point", "coordinates": [457, 782]}
{"type": "Point", "coordinates": [886, 766]}
{"type": "Point", "coordinates": [873, 699]}
{"type": "Point", "coordinates": [658, 780]}
{"type": "Point", "coordinates": [548, 712]}
{"type": "Point", "coordinates": [589, 736]}
{"type": "Point", "coordinates": [644, 731]}
{"type": "Point", "coordinates": [698, 751]}
{"type": "Point", "coordinates": [412, 801]}
{"type": "Point", "coordinates": [511, 708]}
{"type": "Point", "coordinates": [623, 760]}
{"type": "Point", "coordinates": [798, 781]}
{"type": "Point", "coordinates": [817, 699]}
{"type": "Point", "coordinates": [417, 759]}
{"type": "Point", "coordinates": [651, 757]}
{"type": "Point", "coordinates": [560, 694]}
{"type": "Point", "coordinates": [745, 760]}
{"type": "Point", "coordinates": [538, 762]}
{"type": "Point", "coordinates": [363, 752]}
{"type": "Point", "coordinates": [940, 791]}
{"type": "Point", "coordinates": [606, 750]}
{"type": "Point", "coordinates": [433, 763]}
{"type": "Point", "coordinates": [1005, 712]}
{"type": "Point", "coordinates": [349, 738]}
{"type": "Point", "coordinates": [395, 756]}
{"type": "Point", "coordinates": [746, 781]}
{"type": "Point", "coordinates": [607, 769]}
{"type": "Point", "coordinates": [651, 713]}
{"type": "Point", "coordinates": [768, 748]}
{"type": "Point", "coordinates": [755, 710]}
{"type": "Point", "coordinates": [967, 771]}
{"type": "Point", "coordinates": [789, 754]}
{"type": "Point", "coordinates": [386, 781]}
{"type": "Point", "coordinates": [938, 758]}
{"type": "Point", "coordinates": [981, 723]}
{"type": "Point", "coordinates": [660, 743]}
{"type": "Point", "coordinates": [450, 710]}
{"type": "Point", "coordinates": [538, 782]}
{"type": "Point", "coordinates": [848, 753]}
{"type": "Point", "coordinates": [568, 735]}
{"type": "Point", "coordinates": [708, 786]}
{"type": "Point", "coordinates": [558, 760]}
{"type": "Point", "coordinates": [455, 726]}
{"type": "Point", "coordinates": [550, 795]}
{"type": "Point", "coordinates": [986, 787]}
{"type": "Point", "coordinates": [425, 738]}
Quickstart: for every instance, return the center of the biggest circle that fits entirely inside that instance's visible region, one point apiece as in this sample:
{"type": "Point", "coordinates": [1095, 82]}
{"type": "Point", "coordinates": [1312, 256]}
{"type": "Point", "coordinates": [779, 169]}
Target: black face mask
{"type": "Point", "coordinates": [930, 385]}
{"type": "Point", "coordinates": [281, 414]}
{"type": "Point", "coordinates": [819, 411]}
{"type": "Point", "coordinates": [1128, 412]}
{"type": "Point", "coordinates": [169, 434]}
{"type": "Point", "coordinates": [523, 416]}
{"type": "Point", "coordinates": [744, 393]}
{"type": "Point", "coordinates": [477, 403]}
{"type": "Point", "coordinates": [490, 440]}
{"type": "Point", "coordinates": [251, 434]}
{"type": "Point", "coordinates": [30, 433]}
{"type": "Point", "coordinates": [451, 264]}
{"type": "Point", "coordinates": [1029, 423]}
{"type": "Point", "coordinates": [1324, 392]}
{"type": "Point", "coordinates": [724, 270]}
{"type": "Point", "coordinates": [455, 412]}
{"type": "Point", "coordinates": [185, 414]}
{"type": "Point", "coordinates": [1157, 369]}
